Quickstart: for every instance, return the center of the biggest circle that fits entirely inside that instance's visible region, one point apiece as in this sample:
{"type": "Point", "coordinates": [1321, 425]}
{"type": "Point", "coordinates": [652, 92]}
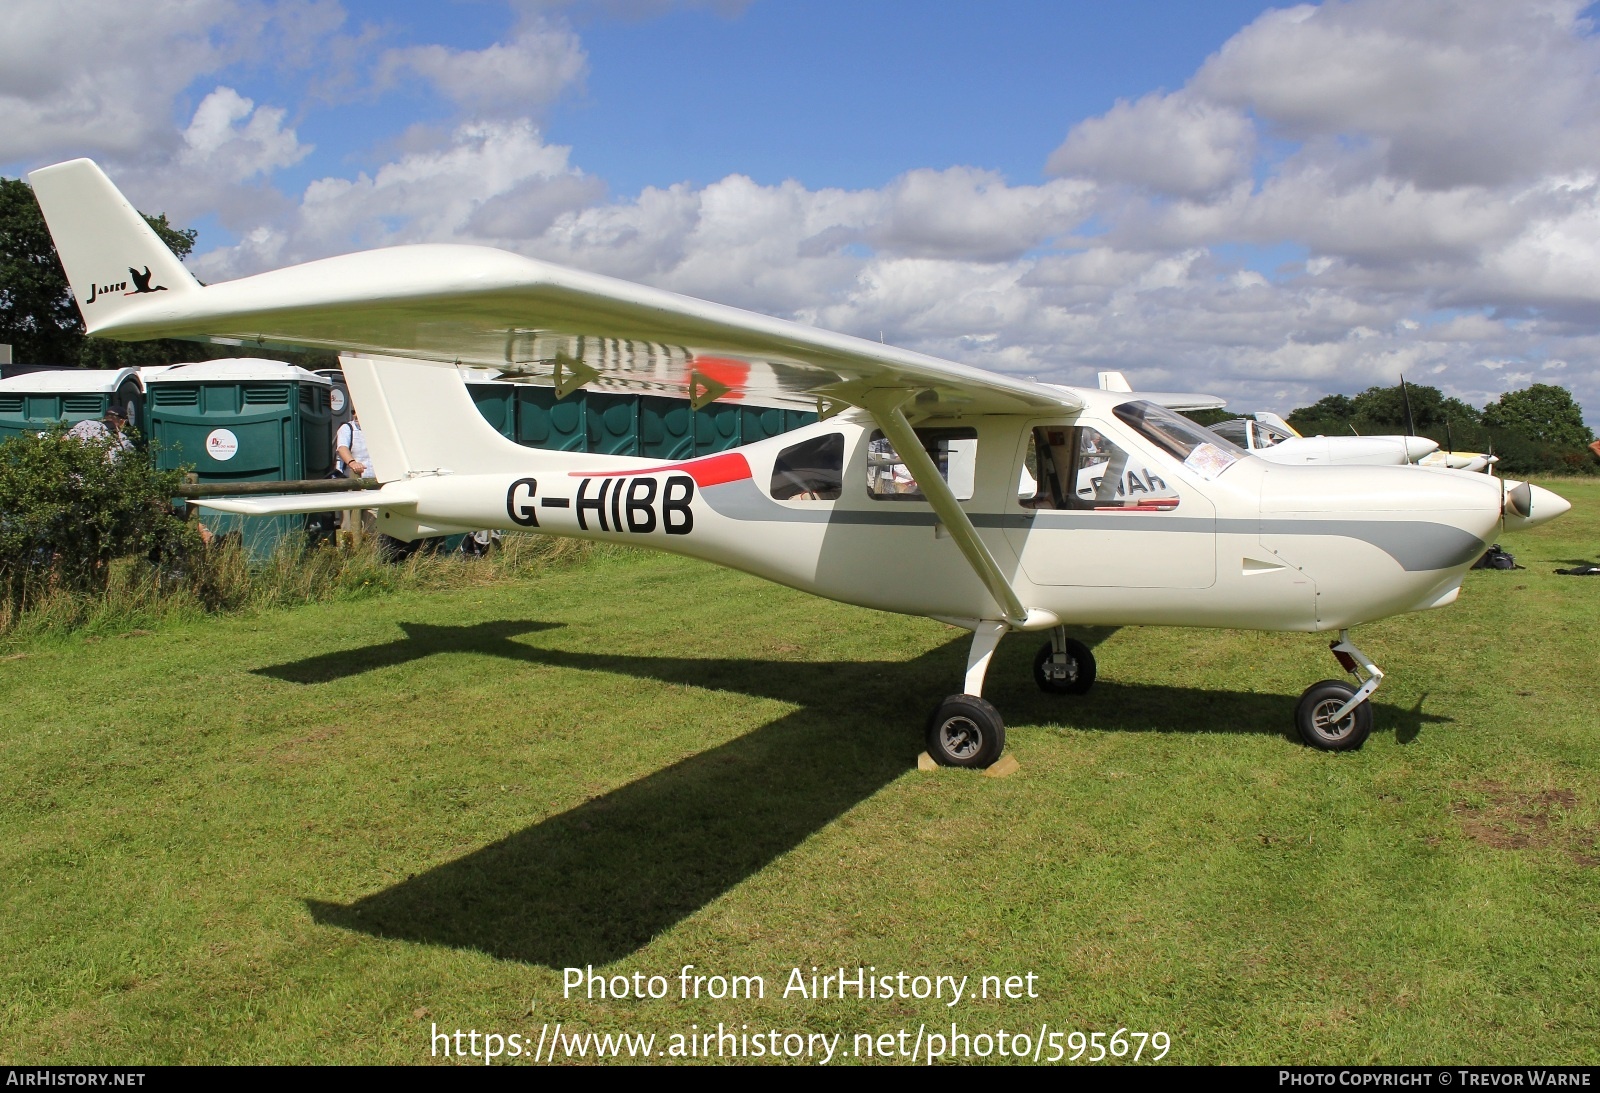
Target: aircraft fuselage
{"type": "Point", "coordinates": [1253, 545]}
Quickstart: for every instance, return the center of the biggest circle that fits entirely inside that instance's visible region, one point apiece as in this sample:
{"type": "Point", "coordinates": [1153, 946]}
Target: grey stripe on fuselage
{"type": "Point", "coordinates": [1417, 545]}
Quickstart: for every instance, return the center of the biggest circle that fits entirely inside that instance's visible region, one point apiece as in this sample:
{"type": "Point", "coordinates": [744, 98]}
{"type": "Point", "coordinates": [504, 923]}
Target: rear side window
{"type": "Point", "coordinates": [812, 470]}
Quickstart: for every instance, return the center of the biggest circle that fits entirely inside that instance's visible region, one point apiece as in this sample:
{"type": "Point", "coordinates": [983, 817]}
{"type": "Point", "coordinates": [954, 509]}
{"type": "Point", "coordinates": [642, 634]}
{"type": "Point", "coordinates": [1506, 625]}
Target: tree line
{"type": "Point", "coordinates": [1537, 430]}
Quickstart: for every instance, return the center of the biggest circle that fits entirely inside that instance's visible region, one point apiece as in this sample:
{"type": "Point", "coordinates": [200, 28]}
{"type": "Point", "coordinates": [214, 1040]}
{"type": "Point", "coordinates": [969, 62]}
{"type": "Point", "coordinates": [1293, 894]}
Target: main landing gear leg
{"type": "Point", "coordinates": [965, 730]}
{"type": "Point", "coordinates": [1332, 715]}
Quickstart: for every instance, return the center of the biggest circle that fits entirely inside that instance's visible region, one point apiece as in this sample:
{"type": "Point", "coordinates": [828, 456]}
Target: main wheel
{"type": "Point", "coordinates": [1313, 717]}
{"type": "Point", "coordinates": [965, 731]}
{"type": "Point", "coordinates": [1072, 675]}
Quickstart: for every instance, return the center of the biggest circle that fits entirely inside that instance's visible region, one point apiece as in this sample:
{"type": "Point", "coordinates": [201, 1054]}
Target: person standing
{"type": "Point", "coordinates": [350, 450]}
{"type": "Point", "coordinates": [352, 460]}
{"type": "Point", "coordinates": [108, 430]}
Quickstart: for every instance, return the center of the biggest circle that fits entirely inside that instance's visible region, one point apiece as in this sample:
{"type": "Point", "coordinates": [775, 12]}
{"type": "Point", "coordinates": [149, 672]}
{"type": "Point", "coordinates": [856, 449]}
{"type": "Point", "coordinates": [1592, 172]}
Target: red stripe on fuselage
{"type": "Point", "coordinates": [713, 470]}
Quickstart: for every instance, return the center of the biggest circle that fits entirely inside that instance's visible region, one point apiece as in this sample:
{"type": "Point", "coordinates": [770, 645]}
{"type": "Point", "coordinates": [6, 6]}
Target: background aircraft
{"type": "Point", "coordinates": [1226, 540]}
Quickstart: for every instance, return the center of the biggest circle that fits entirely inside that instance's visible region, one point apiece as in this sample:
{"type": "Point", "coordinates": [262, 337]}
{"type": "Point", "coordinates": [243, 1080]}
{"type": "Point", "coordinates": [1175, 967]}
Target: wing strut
{"type": "Point", "coordinates": [885, 407]}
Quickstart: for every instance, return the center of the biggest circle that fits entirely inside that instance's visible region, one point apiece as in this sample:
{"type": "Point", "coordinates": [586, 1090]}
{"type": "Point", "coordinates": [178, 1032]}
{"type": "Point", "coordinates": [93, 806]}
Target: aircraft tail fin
{"type": "Point", "coordinates": [114, 261]}
{"type": "Point", "coordinates": [419, 419]}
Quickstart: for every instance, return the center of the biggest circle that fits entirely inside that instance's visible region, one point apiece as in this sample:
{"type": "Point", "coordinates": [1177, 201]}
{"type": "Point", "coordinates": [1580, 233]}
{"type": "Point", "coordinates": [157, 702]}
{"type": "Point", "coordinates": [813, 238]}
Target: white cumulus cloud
{"type": "Point", "coordinates": [517, 77]}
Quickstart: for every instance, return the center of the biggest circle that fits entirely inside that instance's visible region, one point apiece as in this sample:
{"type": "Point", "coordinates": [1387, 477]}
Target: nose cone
{"type": "Point", "coordinates": [1527, 505]}
{"type": "Point", "coordinates": [1419, 446]}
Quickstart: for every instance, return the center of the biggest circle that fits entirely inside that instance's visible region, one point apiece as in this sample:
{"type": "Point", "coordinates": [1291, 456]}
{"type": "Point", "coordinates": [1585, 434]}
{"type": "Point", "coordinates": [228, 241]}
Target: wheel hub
{"type": "Point", "coordinates": [961, 737]}
{"type": "Point", "coordinates": [1322, 717]}
{"type": "Point", "coordinates": [1062, 669]}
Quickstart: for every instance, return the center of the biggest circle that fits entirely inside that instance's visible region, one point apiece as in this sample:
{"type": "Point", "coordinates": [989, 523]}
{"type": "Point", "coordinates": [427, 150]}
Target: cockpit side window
{"type": "Point", "coordinates": [1079, 467]}
{"type": "Point", "coordinates": [812, 470]}
{"type": "Point", "coordinates": [1200, 449]}
{"type": "Point", "coordinates": [953, 450]}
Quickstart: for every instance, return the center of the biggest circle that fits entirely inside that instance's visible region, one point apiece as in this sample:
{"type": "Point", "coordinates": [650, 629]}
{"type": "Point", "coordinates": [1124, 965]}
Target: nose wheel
{"type": "Point", "coordinates": [1316, 717]}
{"type": "Point", "coordinates": [1333, 715]}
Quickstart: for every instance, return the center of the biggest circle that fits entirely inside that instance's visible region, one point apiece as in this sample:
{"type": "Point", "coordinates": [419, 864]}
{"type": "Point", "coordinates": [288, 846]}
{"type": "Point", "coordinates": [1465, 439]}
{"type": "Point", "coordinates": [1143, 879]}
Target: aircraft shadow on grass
{"type": "Point", "coordinates": [421, 640]}
{"type": "Point", "coordinates": [597, 882]}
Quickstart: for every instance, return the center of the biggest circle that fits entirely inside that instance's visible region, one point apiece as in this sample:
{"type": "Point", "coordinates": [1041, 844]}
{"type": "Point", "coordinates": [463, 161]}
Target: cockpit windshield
{"type": "Point", "coordinates": [1198, 448]}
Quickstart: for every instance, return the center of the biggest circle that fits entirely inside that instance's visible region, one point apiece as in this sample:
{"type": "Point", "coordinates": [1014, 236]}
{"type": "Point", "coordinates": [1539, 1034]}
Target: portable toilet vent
{"type": "Point", "coordinates": [33, 402]}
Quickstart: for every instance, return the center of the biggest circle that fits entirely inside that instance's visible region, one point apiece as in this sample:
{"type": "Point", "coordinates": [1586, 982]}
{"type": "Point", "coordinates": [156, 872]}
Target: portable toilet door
{"type": "Point", "coordinates": [32, 402]}
{"type": "Point", "coordinates": [244, 420]}
{"type": "Point", "coordinates": [338, 396]}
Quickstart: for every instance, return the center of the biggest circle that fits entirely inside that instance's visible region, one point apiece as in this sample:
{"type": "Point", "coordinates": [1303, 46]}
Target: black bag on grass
{"type": "Point", "coordinates": [1495, 558]}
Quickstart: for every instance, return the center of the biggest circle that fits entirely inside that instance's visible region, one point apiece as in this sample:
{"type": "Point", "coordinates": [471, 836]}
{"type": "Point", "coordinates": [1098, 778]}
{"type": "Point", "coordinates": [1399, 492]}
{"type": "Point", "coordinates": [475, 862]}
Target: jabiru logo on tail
{"type": "Point", "coordinates": [141, 284]}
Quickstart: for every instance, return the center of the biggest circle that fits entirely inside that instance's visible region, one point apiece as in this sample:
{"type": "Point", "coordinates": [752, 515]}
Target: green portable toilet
{"type": "Point", "coordinates": [496, 401]}
{"type": "Point", "coordinates": [666, 428]}
{"type": "Point", "coordinates": [716, 428]}
{"type": "Point", "coordinates": [543, 421]}
{"type": "Point", "coordinates": [612, 423]}
{"type": "Point", "coordinates": [33, 402]}
{"type": "Point", "coordinates": [622, 423]}
{"type": "Point", "coordinates": [244, 420]}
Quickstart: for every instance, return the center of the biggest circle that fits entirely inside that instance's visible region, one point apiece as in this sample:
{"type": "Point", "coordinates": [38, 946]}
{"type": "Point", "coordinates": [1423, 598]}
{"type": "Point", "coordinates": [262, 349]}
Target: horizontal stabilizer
{"type": "Point", "coordinates": [291, 504]}
{"type": "Point", "coordinates": [1183, 400]}
{"type": "Point", "coordinates": [1172, 400]}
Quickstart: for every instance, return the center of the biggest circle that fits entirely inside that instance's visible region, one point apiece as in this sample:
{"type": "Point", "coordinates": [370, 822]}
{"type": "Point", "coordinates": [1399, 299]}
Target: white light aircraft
{"type": "Point", "coordinates": [856, 507]}
{"type": "Point", "coordinates": [1276, 441]}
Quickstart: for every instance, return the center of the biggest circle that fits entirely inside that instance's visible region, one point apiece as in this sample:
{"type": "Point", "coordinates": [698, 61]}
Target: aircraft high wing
{"type": "Point", "coordinates": [904, 497]}
{"type": "Point", "coordinates": [480, 306]}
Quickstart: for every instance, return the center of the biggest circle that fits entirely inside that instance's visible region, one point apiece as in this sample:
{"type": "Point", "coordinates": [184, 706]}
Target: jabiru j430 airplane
{"type": "Point", "coordinates": [903, 497]}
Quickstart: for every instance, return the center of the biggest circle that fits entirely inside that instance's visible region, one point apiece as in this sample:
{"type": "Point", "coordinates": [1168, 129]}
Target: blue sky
{"type": "Point", "coordinates": [828, 92]}
{"type": "Point", "coordinates": [835, 93]}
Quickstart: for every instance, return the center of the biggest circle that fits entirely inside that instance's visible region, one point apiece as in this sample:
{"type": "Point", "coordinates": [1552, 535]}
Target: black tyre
{"type": "Point", "coordinates": [965, 731]}
{"type": "Point", "coordinates": [1312, 717]}
{"type": "Point", "coordinates": [1078, 668]}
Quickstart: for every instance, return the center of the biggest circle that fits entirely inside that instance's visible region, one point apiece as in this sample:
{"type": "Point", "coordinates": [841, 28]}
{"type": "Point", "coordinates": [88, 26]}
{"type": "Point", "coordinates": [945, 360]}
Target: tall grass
{"type": "Point", "coordinates": [139, 595]}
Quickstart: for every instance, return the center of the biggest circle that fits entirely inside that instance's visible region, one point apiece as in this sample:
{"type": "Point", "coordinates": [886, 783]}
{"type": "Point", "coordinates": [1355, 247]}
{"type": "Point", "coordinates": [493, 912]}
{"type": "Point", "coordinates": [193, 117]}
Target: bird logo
{"type": "Point", "coordinates": [141, 282]}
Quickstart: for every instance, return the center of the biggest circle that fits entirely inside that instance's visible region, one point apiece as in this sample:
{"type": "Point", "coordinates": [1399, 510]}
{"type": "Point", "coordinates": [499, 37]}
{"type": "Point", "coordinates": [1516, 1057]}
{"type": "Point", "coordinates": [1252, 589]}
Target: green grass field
{"type": "Point", "coordinates": [313, 834]}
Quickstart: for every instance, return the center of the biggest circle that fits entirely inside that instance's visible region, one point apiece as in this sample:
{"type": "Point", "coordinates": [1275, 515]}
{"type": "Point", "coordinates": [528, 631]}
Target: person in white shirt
{"type": "Point", "coordinates": [352, 460]}
{"type": "Point", "coordinates": [350, 446]}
